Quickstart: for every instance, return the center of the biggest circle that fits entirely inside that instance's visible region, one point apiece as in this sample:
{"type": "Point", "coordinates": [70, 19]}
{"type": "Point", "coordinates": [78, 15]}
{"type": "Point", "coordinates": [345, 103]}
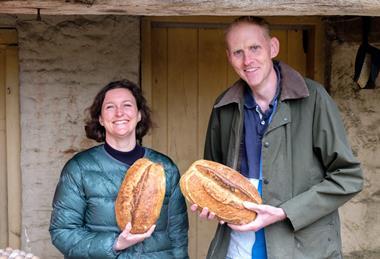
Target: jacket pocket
{"type": "Point", "coordinates": [320, 240]}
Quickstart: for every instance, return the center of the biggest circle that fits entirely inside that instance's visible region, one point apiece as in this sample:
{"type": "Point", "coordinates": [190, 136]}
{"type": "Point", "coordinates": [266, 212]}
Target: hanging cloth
{"type": "Point", "coordinates": [367, 62]}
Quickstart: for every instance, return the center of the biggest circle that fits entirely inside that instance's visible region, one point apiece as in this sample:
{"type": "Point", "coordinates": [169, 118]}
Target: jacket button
{"type": "Point", "coordinates": [266, 144]}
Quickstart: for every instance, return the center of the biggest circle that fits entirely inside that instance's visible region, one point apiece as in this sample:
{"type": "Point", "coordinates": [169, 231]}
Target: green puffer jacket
{"type": "Point", "coordinates": [308, 167]}
{"type": "Point", "coordinates": [83, 223]}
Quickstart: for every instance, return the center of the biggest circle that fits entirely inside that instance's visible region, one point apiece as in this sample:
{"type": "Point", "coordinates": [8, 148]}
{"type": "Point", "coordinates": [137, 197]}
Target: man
{"type": "Point", "coordinates": [284, 133]}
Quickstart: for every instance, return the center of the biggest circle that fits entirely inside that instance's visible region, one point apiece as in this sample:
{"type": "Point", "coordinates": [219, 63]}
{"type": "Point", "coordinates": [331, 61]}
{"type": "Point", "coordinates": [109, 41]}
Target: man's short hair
{"type": "Point", "coordinates": [250, 20]}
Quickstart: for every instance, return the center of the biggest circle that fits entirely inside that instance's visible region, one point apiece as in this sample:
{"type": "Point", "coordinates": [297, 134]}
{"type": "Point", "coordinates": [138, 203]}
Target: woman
{"type": "Point", "coordinates": [83, 223]}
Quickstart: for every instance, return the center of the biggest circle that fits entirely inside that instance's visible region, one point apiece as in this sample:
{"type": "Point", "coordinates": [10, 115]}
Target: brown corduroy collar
{"type": "Point", "coordinates": [293, 86]}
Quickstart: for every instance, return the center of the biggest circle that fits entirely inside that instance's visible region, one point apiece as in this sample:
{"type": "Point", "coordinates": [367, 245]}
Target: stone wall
{"type": "Point", "coordinates": [361, 114]}
{"type": "Point", "coordinates": [64, 61]}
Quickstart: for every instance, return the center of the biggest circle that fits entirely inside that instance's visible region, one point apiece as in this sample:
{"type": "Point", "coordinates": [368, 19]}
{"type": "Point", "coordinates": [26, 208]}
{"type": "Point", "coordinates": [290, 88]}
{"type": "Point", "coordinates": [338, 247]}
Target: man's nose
{"type": "Point", "coordinates": [248, 57]}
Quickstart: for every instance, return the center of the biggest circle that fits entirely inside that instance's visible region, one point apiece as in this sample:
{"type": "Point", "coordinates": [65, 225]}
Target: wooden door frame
{"type": "Point", "coordinates": [312, 22]}
{"type": "Point", "coordinates": [12, 192]}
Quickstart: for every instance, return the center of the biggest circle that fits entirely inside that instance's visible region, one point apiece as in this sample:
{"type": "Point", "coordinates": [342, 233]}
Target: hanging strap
{"type": "Point", "coordinates": [367, 62]}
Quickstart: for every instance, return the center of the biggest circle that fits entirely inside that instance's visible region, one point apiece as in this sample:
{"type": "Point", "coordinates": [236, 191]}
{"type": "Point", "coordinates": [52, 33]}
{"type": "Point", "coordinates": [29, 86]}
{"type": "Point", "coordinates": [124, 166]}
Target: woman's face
{"type": "Point", "coordinates": [119, 115]}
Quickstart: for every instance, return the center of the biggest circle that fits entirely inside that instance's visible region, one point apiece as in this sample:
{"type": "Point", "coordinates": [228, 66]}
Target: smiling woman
{"type": "Point", "coordinates": [83, 222]}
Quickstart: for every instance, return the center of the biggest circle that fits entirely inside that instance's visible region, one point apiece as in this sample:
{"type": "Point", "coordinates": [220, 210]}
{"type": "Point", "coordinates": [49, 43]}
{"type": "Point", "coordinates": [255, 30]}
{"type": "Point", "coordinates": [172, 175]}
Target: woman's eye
{"type": "Point", "coordinates": [127, 105]}
{"type": "Point", "coordinates": [109, 107]}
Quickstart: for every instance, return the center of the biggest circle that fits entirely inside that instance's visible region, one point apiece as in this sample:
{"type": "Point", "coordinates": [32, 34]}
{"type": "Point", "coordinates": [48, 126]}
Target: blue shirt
{"type": "Point", "coordinates": [255, 125]}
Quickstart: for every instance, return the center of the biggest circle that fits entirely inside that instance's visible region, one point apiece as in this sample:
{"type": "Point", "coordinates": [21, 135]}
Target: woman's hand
{"type": "Point", "coordinates": [127, 239]}
{"type": "Point", "coordinates": [266, 215]}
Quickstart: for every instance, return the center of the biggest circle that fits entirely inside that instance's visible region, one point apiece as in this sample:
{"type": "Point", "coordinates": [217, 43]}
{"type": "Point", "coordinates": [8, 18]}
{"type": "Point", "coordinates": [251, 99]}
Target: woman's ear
{"type": "Point", "coordinates": [139, 116]}
{"type": "Point", "coordinates": [274, 47]}
{"type": "Point", "coordinates": [101, 120]}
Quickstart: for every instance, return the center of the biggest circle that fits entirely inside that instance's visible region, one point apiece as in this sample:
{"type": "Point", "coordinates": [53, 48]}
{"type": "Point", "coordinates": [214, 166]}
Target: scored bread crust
{"type": "Point", "coordinates": [141, 196]}
{"type": "Point", "coordinates": [221, 189]}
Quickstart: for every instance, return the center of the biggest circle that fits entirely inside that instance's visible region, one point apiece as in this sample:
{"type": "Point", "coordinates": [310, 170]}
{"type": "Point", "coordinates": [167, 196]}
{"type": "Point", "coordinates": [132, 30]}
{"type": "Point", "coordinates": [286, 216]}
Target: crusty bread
{"type": "Point", "coordinates": [140, 196]}
{"type": "Point", "coordinates": [221, 189]}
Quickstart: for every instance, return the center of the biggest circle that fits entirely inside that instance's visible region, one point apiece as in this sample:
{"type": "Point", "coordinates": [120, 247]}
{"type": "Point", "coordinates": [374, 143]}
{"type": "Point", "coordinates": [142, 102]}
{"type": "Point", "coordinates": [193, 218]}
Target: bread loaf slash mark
{"type": "Point", "coordinates": [217, 193]}
{"type": "Point", "coordinates": [224, 182]}
{"type": "Point", "coordinates": [140, 187]}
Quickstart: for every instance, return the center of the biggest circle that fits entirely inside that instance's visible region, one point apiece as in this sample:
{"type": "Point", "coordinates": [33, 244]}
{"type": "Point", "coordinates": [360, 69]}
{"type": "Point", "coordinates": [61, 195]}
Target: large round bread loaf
{"type": "Point", "coordinates": [140, 196]}
{"type": "Point", "coordinates": [221, 189]}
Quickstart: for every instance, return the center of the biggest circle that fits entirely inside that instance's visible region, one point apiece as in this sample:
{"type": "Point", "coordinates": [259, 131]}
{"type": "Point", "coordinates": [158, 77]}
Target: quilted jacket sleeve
{"type": "Point", "coordinates": [67, 229]}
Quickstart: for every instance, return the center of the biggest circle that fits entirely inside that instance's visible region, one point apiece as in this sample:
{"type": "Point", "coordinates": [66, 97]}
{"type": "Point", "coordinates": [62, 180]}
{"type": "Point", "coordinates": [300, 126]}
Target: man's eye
{"type": "Point", "coordinates": [255, 47]}
{"type": "Point", "coordinates": [237, 52]}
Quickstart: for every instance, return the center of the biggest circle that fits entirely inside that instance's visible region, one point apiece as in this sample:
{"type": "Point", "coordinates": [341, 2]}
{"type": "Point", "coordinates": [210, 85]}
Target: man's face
{"type": "Point", "coordinates": [250, 51]}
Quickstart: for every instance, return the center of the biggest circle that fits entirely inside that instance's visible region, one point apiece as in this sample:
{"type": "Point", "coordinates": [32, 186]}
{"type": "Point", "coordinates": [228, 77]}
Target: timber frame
{"type": "Point", "coordinates": [10, 174]}
{"type": "Point", "coordinates": [192, 7]}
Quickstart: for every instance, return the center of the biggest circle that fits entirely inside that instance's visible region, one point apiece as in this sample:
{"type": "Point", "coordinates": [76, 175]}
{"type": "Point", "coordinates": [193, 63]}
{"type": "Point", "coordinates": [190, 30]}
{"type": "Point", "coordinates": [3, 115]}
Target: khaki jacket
{"type": "Point", "coordinates": [308, 166]}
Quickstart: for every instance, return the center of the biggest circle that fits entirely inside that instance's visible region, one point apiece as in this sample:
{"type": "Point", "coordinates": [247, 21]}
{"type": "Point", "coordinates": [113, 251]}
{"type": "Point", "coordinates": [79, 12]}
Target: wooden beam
{"type": "Point", "coordinates": [12, 111]}
{"type": "Point", "coordinates": [193, 7]}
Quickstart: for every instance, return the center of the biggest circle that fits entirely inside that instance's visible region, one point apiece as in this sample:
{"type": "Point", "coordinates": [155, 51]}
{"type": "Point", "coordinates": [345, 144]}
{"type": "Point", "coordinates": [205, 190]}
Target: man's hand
{"type": "Point", "coordinates": [266, 215]}
{"type": "Point", "coordinates": [205, 213]}
{"type": "Point", "coordinates": [126, 239]}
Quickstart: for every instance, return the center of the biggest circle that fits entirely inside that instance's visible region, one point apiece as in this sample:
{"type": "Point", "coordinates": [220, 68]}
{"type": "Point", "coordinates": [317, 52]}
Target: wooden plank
{"type": "Point", "coordinates": [160, 89]}
{"type": "Point", "coordinates": [282, 36]}
{"type": "Point", "coordinates": [213, 65]}
{"type": "Point", "coordinates": [13, 151]}
{"type": "Point", "coordinates": [146, 72]}
{"type": "Point", "coordinates": [296, 54]}
{"type": "Point", "coordinates": [194, 7]}
{"type": "Point", "coordinates": [316, 55]}
{"type": "Point", "coordinates": [318, 43]}
{"type": "Point", "coordinates": [3, 157]}
{"type": "Point", "coordinates": [182, 106]}
{"type": "Point", "coordinates": [182, 95]}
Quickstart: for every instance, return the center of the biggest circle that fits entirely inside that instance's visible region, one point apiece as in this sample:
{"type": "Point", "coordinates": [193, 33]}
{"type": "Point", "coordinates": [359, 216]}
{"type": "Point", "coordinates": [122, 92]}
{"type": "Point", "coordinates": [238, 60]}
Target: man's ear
{"type": "Point", "coordinates": [274, 47]}
{"type": "Point", "coordinates": [228, 55]}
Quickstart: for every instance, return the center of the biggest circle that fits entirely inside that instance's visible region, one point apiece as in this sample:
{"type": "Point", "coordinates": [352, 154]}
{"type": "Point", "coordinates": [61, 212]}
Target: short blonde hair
{"type": "Point", "coordinates": [250, 20]}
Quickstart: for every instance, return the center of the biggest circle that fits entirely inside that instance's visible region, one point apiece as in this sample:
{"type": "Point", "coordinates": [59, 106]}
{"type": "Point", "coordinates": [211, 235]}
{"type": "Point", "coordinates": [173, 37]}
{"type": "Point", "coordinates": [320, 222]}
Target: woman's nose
{"type": "Point", "coordinates": [119, 111]}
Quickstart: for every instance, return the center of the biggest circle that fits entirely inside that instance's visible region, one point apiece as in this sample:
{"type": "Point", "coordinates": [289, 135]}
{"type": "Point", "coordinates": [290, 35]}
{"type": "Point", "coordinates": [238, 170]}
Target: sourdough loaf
{"type": "Point", "coordinates": [140, 196]}
{"type": "Point", "coordinates": [221, 189]}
